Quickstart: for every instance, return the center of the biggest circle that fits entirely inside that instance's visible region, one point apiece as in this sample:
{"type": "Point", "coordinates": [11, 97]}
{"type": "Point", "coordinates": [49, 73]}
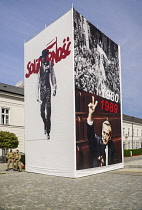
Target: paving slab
{"type": "Point", "coordinates": [114, 190]}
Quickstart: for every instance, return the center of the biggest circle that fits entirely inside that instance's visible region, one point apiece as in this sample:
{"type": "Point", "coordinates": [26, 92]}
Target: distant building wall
{"type": "Point", "coordinates": [132, 132]}
{"type": "Point", "coordinates": [12, 112]}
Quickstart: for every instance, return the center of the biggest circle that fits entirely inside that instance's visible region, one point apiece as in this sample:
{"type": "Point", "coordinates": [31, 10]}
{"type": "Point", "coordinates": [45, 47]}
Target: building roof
{"type": "Point", "coordinates": [132, 119]}
{"type": "Point", "coordinates": [11, 89]}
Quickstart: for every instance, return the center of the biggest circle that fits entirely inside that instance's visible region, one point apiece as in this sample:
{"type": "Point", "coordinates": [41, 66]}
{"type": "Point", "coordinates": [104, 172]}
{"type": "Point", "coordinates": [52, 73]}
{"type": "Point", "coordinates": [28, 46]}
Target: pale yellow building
{"type": "Point", "coordinates": [132, 132]}
{"type": "Point", "coordinates": [12, 112]}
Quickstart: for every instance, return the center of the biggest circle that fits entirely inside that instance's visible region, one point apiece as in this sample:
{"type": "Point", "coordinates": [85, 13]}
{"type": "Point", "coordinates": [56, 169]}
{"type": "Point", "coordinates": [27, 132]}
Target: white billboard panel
{"type": "Point", "coordinates": [73, 113]}
{"type": "Point", "coordinates": [49, 100]}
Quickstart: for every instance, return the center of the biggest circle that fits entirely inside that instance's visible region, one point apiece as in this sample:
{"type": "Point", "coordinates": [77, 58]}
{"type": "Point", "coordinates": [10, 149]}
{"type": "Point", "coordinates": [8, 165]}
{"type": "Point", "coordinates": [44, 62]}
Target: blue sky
{"type": "Point", "coordinates": [121, 20]}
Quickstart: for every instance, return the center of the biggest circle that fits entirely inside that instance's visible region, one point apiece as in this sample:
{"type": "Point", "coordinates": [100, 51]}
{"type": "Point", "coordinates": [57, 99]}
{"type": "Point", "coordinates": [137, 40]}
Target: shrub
{"type": "Point", "coordinates": [8, 140]}
{"type": "Point", "coordinates": [134, 152]}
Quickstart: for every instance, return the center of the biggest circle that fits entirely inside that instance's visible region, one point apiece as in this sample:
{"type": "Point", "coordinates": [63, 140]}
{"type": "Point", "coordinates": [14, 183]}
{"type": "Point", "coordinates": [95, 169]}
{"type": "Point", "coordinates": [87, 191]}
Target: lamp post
{"type": "Point", "coordinates": [132, 132]}
{"type": "Point", "coordinates": [126, 141]}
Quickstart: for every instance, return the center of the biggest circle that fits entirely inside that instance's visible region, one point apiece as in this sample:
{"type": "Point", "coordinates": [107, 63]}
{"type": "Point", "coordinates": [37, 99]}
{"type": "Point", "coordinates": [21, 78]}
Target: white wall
{"type": "Point", "coordinates": [16, 114]}
{"type": "Point", "coordinates": [57, 155]}
{"type": "Point", "coordinates": [127, 135]}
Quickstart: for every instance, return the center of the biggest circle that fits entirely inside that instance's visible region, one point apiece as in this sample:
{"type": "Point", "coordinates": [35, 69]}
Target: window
{"type": "Point", "coordinates": [4, 152]}
{"type": "Point", "coordinates": [123, 131]}
{"type": "Point", "coordinates": [5, 116]}
{"type": "Point", "coordinates": [128, 131]}
{"type": "Point", "coordinates": [137, 144]}
{"type": "Point", "coordinates": [124, 145]}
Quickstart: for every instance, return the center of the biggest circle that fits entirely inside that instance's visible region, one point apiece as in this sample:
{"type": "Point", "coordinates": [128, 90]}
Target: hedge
{"type": "Point", "coordinates": [134, 152]}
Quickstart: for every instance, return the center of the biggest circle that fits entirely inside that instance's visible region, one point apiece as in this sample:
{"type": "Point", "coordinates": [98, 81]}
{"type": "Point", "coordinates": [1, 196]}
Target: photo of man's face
{"type": "Point", "coordinates": [106, 133]}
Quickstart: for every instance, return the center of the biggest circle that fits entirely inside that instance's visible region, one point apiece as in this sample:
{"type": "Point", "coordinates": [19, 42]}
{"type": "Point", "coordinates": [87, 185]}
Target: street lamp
{"type": "Point", "coordinates": [132, 132]}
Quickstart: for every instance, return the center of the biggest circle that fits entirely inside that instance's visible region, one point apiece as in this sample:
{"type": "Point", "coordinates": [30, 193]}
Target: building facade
{"type": "Point", "coordinates": [132, 132]}
{"type": "Point", "coordinates": [12, 112]}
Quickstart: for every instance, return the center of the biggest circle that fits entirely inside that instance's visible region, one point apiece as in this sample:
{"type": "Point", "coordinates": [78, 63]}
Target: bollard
{"type": "Point", "coordinates": [130, 153]}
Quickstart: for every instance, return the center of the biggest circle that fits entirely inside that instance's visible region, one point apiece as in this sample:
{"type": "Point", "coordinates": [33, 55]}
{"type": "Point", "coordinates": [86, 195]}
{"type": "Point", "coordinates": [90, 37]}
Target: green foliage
{"type": "Point", "coordinates": [8, 140]}
{"type": "Point", "coordinates": [134, 152]}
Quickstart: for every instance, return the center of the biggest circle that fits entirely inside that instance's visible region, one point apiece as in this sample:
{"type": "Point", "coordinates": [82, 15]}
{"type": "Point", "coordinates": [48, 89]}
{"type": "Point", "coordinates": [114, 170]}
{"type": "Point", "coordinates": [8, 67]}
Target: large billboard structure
{"type": "Point", "coordinates": [72, 100]}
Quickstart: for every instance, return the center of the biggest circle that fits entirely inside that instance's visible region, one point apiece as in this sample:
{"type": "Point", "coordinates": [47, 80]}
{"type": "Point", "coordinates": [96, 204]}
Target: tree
{"type": "Point", "coordinates": [8, 140]}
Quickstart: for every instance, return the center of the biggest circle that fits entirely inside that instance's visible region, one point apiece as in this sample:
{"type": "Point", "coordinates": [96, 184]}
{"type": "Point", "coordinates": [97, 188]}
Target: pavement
{"type": "Point", "coordinates": [113, 190]}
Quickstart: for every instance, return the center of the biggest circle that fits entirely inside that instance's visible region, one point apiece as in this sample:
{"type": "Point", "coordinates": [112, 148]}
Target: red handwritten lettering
{"type": "Point", "coordinates": [33, 68]}
{"type": "Point", "coordinates": [60, 52]}
{"type": "Point", "coordinates": [55, 55]}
